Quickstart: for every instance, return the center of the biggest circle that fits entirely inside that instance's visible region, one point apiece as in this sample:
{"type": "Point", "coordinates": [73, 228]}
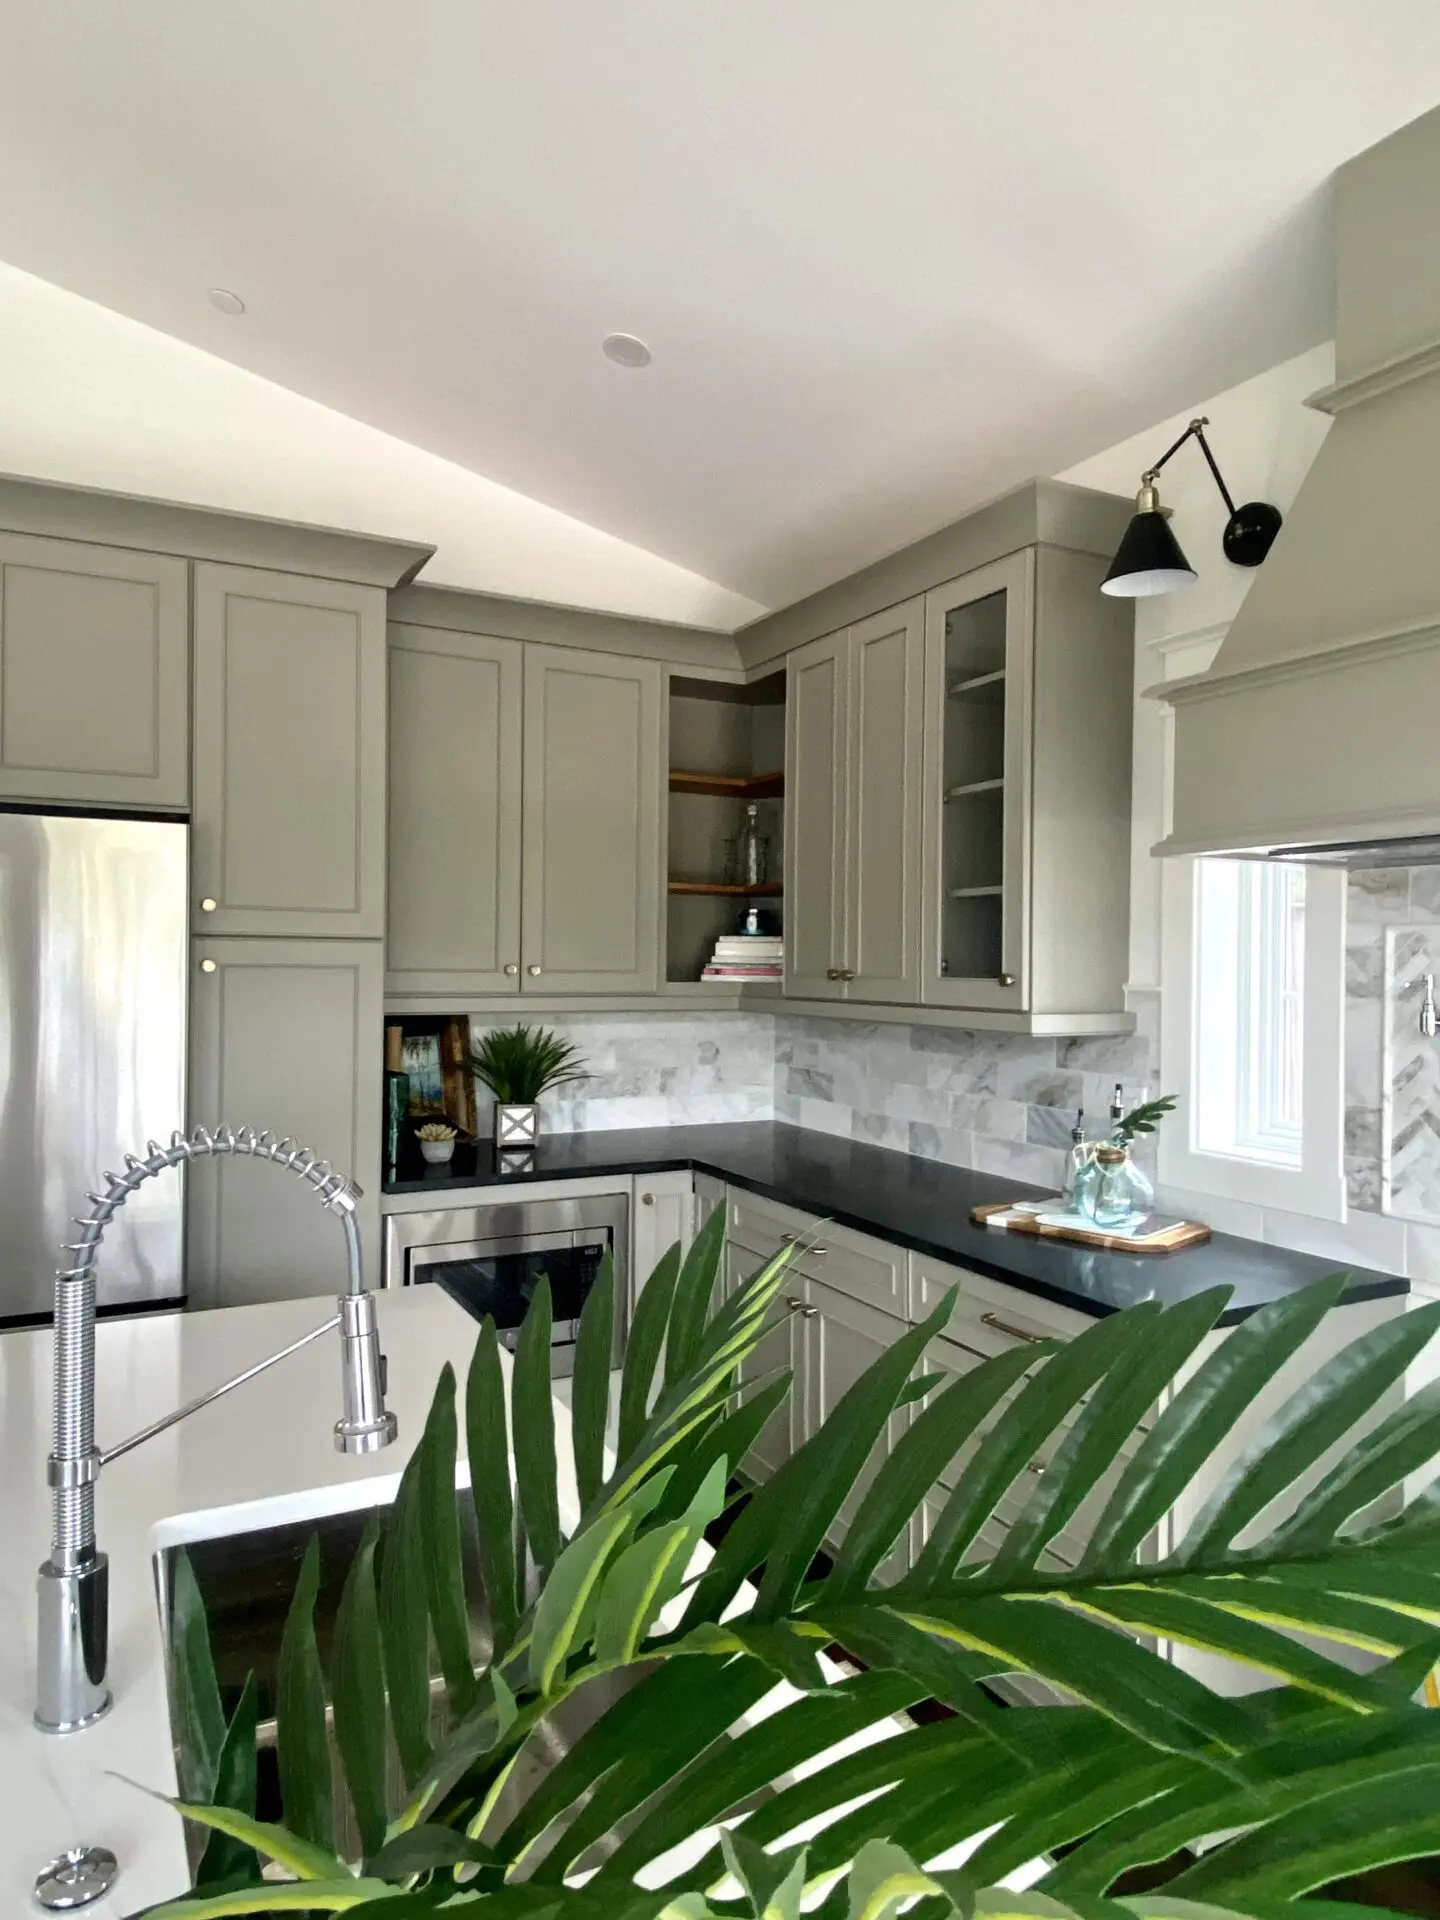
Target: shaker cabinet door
{"type": "Point", "coordinates": [289, 813]}
{"type": "Point", "coordinates": [285, 1035]}
{"type": "Point", "coordinates": [453, 902]}
{"type": "Point", "coordinates": [94, 675]}
{"type": "Point", "coordinates": [887, 662]}
{"type": "Point", "coordinates": [843, 1338]}
{"type": "Point", "coordinates": [816, 751]}
{"type": "Point", "coordinates": [979, 656]}
{"type": "Point", "coordinates": [591, 841]}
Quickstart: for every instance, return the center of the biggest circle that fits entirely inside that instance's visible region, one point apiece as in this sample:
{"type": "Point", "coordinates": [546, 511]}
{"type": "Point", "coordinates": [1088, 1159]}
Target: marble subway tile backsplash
{"type": "Point", "coordinates": [1000, 1102]}
{"type": "Point", "coordinates": [1003, 1103]}
{"type": "Point", "coordinates": [657, 1070]}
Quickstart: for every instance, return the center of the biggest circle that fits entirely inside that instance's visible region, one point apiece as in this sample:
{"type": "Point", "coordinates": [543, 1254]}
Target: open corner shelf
{"type": "Point", "coordinates": [729, 786]}
{"type": "Point", "coordinates": [726, 890]}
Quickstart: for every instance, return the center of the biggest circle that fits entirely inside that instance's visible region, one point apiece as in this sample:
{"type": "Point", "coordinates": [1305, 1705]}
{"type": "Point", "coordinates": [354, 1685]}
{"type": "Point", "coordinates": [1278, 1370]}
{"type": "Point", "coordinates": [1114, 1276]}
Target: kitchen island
{"type": "Point", "coordinates": [260, 1457]}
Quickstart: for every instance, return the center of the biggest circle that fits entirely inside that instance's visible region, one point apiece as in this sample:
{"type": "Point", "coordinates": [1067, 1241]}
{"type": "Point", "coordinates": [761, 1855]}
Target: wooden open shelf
{"type": "Point", "coordinates": [729, 786]}
{"type": "Point", "coordinates": [725, 890]}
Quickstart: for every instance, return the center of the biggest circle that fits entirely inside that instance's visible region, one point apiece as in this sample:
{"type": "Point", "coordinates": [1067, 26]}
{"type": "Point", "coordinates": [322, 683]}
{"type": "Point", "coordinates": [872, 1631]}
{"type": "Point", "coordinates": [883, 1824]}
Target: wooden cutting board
{"type": "Point", "coordinates": [1169, 1237]}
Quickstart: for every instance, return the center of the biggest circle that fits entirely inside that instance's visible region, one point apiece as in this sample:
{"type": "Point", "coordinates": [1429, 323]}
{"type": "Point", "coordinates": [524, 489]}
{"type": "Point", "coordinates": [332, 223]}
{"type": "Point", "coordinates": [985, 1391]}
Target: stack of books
{"type": "Point", "coordinates": [747, 956]}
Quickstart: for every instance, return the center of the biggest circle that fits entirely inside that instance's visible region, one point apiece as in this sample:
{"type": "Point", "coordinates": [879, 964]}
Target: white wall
{"type": "Point", "coordinates": [90, 397]}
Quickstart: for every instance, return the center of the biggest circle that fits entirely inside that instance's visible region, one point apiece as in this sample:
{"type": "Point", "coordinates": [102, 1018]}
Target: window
{"type": "Point", "coordinates": [1249, 1010]}
{"type": "Point", "coordinates": [1252, 1026]}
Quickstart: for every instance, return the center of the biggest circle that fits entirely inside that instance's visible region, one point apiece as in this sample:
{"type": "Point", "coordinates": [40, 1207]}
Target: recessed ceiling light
{"type": "Point", "coordinates": [625, 350]}
{"type": "Point", "coordinates": [225, 301]}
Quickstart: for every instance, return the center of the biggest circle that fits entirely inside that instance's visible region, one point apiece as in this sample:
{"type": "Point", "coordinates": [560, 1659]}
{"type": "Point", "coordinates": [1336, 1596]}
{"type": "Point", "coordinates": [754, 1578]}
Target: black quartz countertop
{"type": "Point", "coordinates": [914, 1202]}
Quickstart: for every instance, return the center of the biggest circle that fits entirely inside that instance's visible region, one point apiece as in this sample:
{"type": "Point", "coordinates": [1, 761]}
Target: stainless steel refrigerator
{"type": "Point", "coordinates": [92, 1047]}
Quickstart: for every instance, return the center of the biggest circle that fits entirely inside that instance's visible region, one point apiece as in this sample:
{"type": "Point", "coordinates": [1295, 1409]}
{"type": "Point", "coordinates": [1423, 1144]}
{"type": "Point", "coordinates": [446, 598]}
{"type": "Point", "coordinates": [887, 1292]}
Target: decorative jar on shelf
{"type": "Point", "coordinates": [1111, 1190]}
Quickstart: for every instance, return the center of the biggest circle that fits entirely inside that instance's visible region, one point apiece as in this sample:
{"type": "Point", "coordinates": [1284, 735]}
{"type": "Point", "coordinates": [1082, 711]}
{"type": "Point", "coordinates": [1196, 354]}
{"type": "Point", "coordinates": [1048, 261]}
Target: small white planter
{"type": "Point", "coordinates": [437, 1152]}
{"type": "Point", "coordinates": [517, 1128]}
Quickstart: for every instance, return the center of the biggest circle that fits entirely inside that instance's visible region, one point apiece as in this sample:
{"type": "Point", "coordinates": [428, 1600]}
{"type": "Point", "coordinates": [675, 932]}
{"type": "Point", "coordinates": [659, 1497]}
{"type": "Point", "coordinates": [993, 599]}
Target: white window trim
{"type": "Point", "coordinates": [1317, 1186]}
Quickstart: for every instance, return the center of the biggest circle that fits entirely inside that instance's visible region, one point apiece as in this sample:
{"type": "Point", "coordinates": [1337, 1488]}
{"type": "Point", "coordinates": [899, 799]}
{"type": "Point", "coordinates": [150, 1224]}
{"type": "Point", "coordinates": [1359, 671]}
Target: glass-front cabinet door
{"type": "Point", "coordinates": [977, 787]}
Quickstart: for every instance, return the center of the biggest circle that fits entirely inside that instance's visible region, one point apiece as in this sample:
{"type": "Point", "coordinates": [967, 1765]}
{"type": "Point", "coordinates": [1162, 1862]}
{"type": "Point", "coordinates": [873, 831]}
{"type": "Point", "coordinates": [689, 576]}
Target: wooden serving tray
{"type": "Point", "coordinates": [1169, 1238]}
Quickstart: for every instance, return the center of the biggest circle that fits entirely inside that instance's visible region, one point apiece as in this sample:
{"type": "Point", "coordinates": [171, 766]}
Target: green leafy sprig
{"type": "Point", "coordinates": [1143, 1119]}
{"type": "Point", "coordinates": [518, 1063]}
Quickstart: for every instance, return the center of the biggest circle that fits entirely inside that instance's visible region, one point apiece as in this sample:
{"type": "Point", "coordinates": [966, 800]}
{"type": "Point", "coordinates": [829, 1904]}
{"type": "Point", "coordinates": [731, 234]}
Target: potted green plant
{"type": "Point", "coordinates": [519, 1064]}
{"type": "Point", "coordinates": [625, 1749]}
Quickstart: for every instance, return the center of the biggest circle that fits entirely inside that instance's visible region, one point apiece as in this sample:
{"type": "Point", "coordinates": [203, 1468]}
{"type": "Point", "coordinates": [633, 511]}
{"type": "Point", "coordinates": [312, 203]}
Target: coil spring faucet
{"type": "Point", "coordinates": [71, 1690]}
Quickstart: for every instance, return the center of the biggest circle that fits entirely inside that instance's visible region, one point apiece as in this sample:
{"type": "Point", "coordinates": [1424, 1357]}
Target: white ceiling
{"type": "Point", "coordinates": [891, 255]}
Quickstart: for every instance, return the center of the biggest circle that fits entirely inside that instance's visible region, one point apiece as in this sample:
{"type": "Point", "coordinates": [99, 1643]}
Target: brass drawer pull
{"type": "Point", "coordinates": [1012, 1333]}
{"type": "Point", "coordinates": [795, 1305]}
{"type": "Point", "coordinates": [815, 1251]}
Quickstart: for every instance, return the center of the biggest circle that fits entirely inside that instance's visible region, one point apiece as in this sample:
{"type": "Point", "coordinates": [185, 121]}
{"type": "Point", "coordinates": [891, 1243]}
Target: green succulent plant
{"type": "Point", "coordinates": [753, 1731]}
{"type": "Point", "coordinates": [519, 1063]}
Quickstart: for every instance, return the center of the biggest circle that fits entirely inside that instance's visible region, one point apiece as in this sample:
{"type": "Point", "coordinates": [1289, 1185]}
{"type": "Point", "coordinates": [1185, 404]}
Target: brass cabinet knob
{"type": "Point", "coordinates": [207, 906]}
{"type": "Point", "coordinates": [1007, 979]}
{"type": "Point", "coordinates": [207, 966]}
{"type": "Point", "coordinates": [511, 968]}
{"type": "Point", "coordinates": [833, 973]}
{"type": "Point", "coordinates": [532, 971]}
{"type": "Point", "coordinates": [647, 1199]}
{"type": "Point", "coordinates": [794, 1305]}
{"type": "Point", "coordinates": [846, 973]}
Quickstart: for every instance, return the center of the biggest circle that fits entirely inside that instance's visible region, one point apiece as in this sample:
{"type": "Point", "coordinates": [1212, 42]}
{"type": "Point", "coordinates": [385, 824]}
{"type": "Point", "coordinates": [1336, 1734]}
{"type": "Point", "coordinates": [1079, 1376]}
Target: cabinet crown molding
{"type": "Point", "coordinates": [457, 610]}
{"type": "Point", "coordinates": [59, 511]}
{"type": "Point", "coordinates": [1049, 513]}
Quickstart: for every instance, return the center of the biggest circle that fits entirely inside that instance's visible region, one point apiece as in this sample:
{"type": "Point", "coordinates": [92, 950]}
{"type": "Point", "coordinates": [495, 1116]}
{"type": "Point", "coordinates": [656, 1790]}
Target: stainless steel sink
{"type": "Point", "coordinates": [247, 1581]}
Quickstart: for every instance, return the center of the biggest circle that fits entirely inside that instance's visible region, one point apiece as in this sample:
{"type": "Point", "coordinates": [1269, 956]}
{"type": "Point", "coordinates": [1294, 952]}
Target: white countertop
{"type": "Point", "coordinates": [261, 1456]}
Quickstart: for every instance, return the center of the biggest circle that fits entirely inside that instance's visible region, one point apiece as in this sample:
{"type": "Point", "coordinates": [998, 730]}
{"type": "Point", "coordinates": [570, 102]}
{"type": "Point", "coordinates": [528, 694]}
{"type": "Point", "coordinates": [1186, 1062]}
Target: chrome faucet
{"type": "Point", "coordinates": [74, 1582]}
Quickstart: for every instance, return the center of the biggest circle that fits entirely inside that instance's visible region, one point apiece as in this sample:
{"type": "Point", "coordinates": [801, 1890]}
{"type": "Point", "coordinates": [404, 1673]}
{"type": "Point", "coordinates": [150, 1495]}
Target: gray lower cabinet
{"type": "Point", "coordinates": [590, 868]}
{"type": "Point", "coordinates": [663, 1214]}
{"type": "Point", "coordinates": [841, 1338]}
{"type": "Point", "coordinates": [453, 906]}
{"type": "Point", "coordinates": [781, 1347]}
{"type": "Point", "coordinates": [94, 675]}
{"type": "Point", "coordinates": [289, 800]}
{"type": "Point", "coordinates": [283, 1034]}
{"type": "Point", "coordinates": [816, 748]}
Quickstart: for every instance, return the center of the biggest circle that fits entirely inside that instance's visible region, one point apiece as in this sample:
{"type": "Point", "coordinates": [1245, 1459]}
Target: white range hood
{"type": "Point", "coordinates": [1315, 734]}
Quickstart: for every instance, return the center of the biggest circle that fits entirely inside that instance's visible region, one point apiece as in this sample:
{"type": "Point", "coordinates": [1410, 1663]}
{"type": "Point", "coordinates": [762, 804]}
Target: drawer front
{"type": "Point", "coordinates": [869, 1270]}
{"type": "Point", "coordinates": [1000, 1317]}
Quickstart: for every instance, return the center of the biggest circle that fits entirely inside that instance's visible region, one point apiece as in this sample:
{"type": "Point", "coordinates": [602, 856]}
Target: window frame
{"type": "Point", "coordinates": [1317, 1186]}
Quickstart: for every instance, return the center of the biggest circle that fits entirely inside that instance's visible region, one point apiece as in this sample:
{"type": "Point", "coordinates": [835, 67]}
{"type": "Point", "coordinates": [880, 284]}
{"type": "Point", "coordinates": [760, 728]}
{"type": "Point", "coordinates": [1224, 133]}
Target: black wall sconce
{"type": "Point", "coordinates": [1150, 559]}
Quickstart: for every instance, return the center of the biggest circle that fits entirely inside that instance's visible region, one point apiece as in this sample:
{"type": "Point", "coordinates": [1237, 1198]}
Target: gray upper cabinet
{"type": "Point", "coordinates": [453, 907]}
{"type": "Point", "coordinates": [289, 800]}
{"type": "Point", "coordinates": [94, 675]}
{"type": "Point", "coordinates": [852, 785]}
{"type": "Point", "coordinates": [977, 787]}
{"type": "Point", "coordinates": [1026, 808]}
{"type": "Point", "coordinates": [816, 749]}
{"type": "Point", "coordinates": [590, 885]}
{"type": "Point", "coordinates": [882, 943]}
{"type": "Point", "coordinates": [284, 1034]}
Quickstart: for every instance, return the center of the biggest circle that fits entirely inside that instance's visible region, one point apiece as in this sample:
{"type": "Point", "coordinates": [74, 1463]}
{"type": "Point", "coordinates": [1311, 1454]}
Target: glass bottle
{"type": "Point", "coordinates": [1111, 1190]}
{"type": "Point", "coordinates": [753, 852]}
{"type": "Point", "coordinates": [1081, 1152]}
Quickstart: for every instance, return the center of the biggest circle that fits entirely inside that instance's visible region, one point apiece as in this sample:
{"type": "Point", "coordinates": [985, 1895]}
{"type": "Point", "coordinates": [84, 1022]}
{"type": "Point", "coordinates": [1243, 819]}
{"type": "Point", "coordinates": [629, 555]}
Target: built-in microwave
{"type": "Point", "coordinates": [489, 1259]}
